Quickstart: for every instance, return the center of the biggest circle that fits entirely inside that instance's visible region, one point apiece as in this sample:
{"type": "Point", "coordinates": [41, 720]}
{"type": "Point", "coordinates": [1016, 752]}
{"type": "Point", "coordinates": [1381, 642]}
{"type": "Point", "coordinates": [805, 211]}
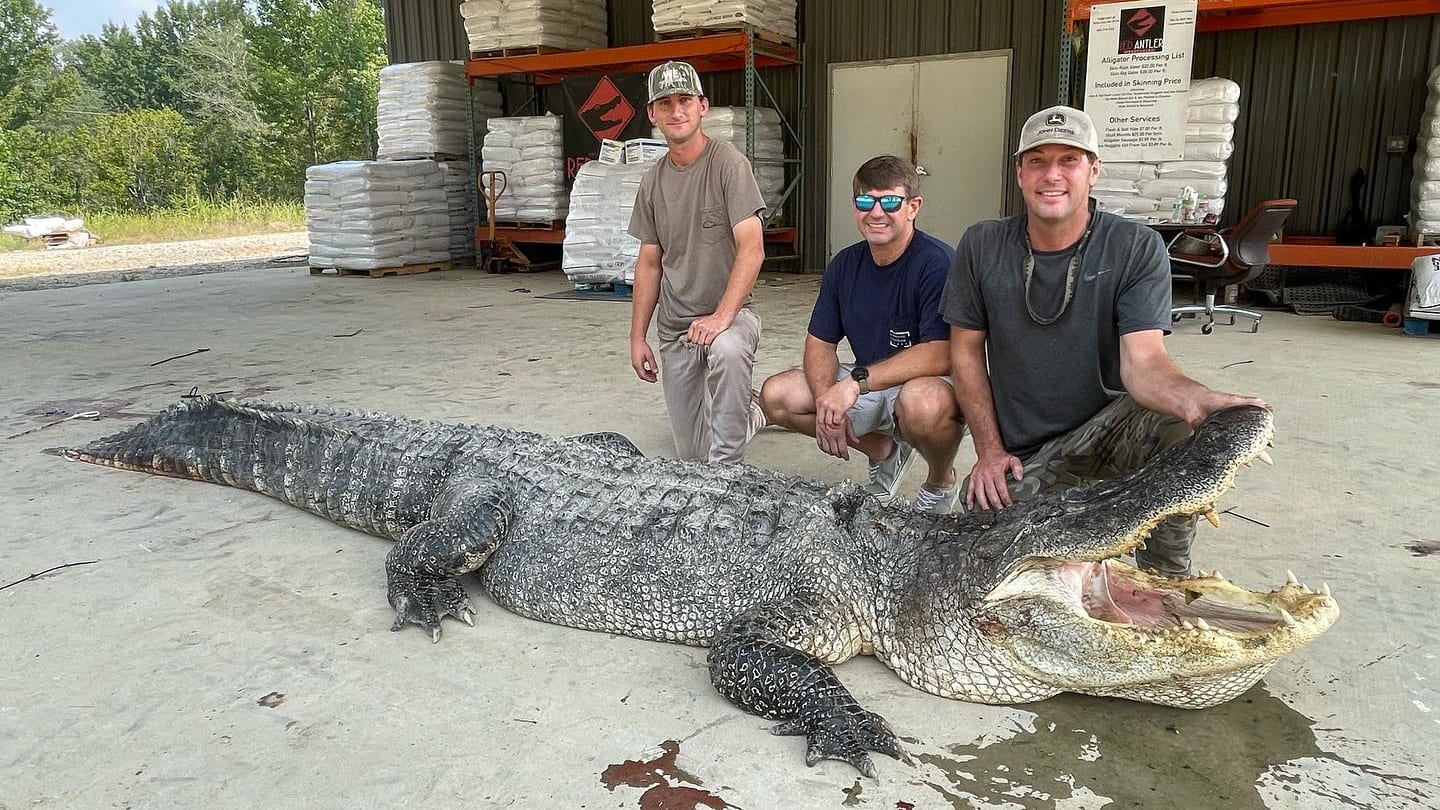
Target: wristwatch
{"type": "Point", "coordinates": [861, 375]}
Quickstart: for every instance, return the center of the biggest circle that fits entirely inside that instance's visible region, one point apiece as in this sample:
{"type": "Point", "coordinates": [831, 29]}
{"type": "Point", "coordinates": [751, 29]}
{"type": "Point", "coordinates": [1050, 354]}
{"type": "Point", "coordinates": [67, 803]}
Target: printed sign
{"type": "Point", "coordinates": [601, 108]}
{"type": "Point", "coordinates": [1137, 78]}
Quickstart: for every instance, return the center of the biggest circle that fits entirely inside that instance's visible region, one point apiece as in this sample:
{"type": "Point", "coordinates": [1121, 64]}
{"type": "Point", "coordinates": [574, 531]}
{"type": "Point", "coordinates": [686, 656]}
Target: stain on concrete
{"type": "Point", "coordinates": [1424, 548]}
{"type": "Point", "coordinates": [1135, 754]}
{"type": "Point", "coordinates": [664, 782]}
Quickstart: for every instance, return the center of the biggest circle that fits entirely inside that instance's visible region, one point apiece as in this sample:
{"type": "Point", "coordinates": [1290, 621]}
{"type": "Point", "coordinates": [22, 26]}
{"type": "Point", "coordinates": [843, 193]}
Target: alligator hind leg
{"type": "Point", "coordinates": [423, 569]}
{"type": "Point", "coordinates": [756, 662]}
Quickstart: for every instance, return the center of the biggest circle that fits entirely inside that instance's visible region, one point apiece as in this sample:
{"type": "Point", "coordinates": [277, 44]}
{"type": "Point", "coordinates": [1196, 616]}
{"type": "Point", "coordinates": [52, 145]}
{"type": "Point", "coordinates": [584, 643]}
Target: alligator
{"type": "Point", "coordinates": [781, 577]}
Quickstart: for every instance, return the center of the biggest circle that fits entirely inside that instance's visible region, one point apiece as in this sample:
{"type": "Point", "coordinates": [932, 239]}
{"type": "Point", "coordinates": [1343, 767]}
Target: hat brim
{"type": "Point", "coordinates": [1061, 141]}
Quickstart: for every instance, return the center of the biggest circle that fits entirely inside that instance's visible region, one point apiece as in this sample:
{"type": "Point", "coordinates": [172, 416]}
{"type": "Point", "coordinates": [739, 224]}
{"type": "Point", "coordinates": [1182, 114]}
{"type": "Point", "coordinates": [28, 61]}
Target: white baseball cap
{"type": "Point", "coordinates": [1062, 125]}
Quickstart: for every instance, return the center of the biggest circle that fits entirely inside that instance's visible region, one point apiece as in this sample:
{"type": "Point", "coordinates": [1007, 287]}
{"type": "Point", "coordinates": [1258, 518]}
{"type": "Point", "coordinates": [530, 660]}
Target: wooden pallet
{"type": "Point", "coordinates": [402, 270]}
{"type": "Point", "coordinates": [1421, 327]}
{"type": "Point", "coordinates": [552, 225]}
{"type": "Point", "coordinates": [446, 156]}
{"type": "Point", "coordinates": [529, 50]}
{"type": "Point", "coordinates": [695, 33]}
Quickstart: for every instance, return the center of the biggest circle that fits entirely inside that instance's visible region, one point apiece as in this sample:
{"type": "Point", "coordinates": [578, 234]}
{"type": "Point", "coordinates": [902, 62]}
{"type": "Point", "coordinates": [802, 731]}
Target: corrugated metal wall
{"type": "Point", "coordinates": [1318, 100]}
{"type": "Point", "coordinates": [862, 30]}
{"type": "Point", "coordinates": [1317, 103]}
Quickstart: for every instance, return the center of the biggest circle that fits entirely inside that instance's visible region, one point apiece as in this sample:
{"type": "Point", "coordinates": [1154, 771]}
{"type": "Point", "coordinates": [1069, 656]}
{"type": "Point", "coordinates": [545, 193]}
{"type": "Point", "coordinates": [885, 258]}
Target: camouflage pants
{"type": "Point", "coordinates": [1118, 439]}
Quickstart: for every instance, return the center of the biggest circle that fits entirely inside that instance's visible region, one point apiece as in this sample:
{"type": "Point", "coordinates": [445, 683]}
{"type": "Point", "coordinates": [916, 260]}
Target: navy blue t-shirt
{"type": "Point", "coordinates": [884, 309]}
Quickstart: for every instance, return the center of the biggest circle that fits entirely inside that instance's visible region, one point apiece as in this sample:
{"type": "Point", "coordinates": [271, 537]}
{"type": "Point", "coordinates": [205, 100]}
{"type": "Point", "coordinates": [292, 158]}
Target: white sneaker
{"type": "Point", "coordinates": [885, 475]}
{"type": "Point", "coordinates": [937, 501]}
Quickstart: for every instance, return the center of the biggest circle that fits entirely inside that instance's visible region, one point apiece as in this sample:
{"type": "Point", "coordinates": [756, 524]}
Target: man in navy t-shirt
{"type": "Point", "coordinates": [883, 295]}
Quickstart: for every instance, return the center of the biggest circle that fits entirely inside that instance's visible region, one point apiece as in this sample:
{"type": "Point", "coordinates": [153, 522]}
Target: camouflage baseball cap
{"type": "Point", "coordinates": [674, 78]}
{"type": "Point", "coordinates": [1062, 125]}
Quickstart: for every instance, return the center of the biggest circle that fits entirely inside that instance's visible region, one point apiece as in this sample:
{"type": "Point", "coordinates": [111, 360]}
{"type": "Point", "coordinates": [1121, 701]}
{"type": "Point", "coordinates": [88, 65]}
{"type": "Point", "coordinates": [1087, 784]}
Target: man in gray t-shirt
{"type": "Point", "coordinates": [1058, 318]}
{"type": "Point", "coordinates": [701, 246]}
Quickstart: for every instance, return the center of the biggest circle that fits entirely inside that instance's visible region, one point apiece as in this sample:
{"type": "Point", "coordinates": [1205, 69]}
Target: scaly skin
{"type": "Point", "coordinates": [779, 576]}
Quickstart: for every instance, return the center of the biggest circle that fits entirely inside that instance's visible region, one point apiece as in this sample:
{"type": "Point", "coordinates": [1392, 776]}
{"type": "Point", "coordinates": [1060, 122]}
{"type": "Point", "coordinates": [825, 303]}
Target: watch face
{"type": "Point", "coordinates": [860, 373]}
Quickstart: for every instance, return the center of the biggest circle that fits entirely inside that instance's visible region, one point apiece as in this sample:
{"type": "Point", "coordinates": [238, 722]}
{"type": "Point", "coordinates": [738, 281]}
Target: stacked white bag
{"type": "Point", "coordinates": [774, 16]}
{"type": "Point", "coordinates": [728, 124]}
{"type": "Point", "coordinates": [1425, 186]}
{"type": "Point", "coordinates": [530, 151]}
{"type": "Point", "coordinates": [460, 203]}
{"type": "Point", "coordinates": [366, 215]}
{"type": "Point", "coordinates": [421, 110]}
{"type": "Point", "coordinates": [572, 25]}
{"type": "Point", "coordinates": [1150, 189]}
{"type": "Point", "coordinates": [598, 249]}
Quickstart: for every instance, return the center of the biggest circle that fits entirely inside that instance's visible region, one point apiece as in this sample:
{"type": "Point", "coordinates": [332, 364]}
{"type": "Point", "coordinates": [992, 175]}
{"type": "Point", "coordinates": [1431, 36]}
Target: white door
{"type": "Point", "coordinates": [946, 113]}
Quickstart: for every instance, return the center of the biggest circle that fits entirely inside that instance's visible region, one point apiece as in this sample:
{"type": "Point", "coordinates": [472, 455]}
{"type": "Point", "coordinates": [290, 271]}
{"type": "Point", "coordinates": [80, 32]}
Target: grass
{"type": "Point", "coordinates": [193, 218]}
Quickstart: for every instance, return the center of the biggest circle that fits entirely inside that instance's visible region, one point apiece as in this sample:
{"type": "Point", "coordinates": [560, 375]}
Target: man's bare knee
{"type": "Point", "coordinates": [926, 405]}
{"type": "Point", "coordinates": [784, 395]}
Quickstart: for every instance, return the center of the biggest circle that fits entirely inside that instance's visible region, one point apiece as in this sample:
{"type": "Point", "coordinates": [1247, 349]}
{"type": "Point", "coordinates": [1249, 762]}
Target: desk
{"type": "Point", "coordinates": [1348, 256]}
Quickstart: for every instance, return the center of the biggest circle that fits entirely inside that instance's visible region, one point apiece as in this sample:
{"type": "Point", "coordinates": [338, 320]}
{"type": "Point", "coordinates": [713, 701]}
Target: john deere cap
{"type": "Point", "coordinates": [1063, 125]}
{"type": "Point", "coordinates": [674, 78]}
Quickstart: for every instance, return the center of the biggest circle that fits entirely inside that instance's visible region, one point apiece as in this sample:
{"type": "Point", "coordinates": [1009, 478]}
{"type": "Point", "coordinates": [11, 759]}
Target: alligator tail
{"type": "Point", "coordinates": [334, 464]}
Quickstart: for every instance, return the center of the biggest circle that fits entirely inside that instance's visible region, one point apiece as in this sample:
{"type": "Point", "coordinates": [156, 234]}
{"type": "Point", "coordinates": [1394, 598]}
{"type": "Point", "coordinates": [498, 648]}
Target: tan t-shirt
{"type": "Point", "coordinates": [691, 214]}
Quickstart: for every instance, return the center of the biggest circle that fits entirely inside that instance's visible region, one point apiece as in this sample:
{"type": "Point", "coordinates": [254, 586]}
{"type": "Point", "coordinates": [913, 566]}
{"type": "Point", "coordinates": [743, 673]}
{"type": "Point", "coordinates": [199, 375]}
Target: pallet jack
{"type": "Point", "coordinates": [501, 255]}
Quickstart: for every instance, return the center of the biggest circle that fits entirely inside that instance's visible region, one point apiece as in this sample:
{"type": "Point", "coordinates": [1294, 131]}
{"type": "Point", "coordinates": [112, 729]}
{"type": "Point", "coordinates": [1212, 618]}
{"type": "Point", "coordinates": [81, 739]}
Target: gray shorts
{"type": "Point", "coordinates": [874, 412]}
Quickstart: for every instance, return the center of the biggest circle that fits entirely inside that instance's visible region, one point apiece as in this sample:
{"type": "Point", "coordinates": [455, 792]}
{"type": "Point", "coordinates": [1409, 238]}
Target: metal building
{"type": "Point", "coordinates": [1319, 100]}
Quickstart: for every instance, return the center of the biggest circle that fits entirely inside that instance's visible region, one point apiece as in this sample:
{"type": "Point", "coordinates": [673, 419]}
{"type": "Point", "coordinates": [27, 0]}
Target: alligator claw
{"type": "Point", "coordinates": [426, 601]}
{"type": "Point", "coordinates": [845, 734]}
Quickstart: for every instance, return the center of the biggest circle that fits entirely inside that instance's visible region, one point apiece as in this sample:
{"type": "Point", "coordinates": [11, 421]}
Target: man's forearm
{"type": "Point", "coordinates": [749, 256]}
{"type": "Point", "coordinates": [820, 364]}
{"type": "Point", "coordinates": [973, 395]}
{"type": "Point", "coordinates": [928, 359]}
{"type": "Point", "coordinates": [645, 294]}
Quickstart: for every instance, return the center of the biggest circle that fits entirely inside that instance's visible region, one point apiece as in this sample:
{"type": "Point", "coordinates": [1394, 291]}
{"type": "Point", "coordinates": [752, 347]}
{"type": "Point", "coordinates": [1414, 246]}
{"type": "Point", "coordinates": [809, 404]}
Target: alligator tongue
{"type": "Point", "coordinates": [1095, 595]}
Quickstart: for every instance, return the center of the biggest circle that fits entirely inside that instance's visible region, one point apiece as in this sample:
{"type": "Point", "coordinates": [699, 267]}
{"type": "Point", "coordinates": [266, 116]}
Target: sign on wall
{"type": "Point", "coordinates": [610, 106]}
{"type": "Point", "coordinates": [1137, 77]}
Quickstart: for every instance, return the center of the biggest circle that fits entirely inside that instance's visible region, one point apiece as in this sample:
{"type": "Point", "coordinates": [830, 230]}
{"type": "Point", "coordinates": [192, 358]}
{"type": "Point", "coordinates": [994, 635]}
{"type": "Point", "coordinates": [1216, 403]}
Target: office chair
{"type": "Point", "coordinates": [1216, 260]}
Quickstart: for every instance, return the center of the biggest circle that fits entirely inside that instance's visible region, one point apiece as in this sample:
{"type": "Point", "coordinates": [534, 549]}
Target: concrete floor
{"type": "Point", "coordinates": [224, 650]}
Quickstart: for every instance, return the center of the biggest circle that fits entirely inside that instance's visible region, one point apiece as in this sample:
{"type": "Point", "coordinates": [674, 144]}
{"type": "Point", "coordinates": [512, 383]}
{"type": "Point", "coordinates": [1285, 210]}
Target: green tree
{"type": "Point", "coordinates": [141, 159]}
{"type": "Point", "coordinates": [215, 80]}
{"type": "Point", "coordinates": [27, 61]}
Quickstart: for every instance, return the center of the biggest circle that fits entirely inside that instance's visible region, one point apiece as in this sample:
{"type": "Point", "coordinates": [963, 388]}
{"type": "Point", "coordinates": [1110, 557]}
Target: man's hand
{"type": "Point", "coordinates": [835, 439]}
{"type": "Point", "coordinates": [832, 408]}
{"type": "Point", "coordinates": [643, 361]}
{"type": "Point", "coordinates": [987, 481]}
{"type": "Point", "coordinates": [703, 331]}
{"type": "Point", "coordinates": [1199, 409]}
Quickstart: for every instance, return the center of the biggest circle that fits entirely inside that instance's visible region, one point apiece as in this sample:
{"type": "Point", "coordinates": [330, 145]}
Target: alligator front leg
{"type": "Point", "coordinates": [768, 662]}
{"type": "Point", "coordinates": [422, 571]}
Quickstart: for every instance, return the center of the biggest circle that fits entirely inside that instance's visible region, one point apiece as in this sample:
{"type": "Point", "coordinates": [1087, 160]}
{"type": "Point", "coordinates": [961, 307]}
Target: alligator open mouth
{"type": "Point", "coordinates": [1118, 594]}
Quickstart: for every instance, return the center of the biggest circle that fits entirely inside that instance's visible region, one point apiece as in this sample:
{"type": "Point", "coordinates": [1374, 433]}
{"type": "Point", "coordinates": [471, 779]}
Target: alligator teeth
{"type": "Point", "coordinates": [1204, 574]}
{"type": "Point", "coordinates": [1325, 589]}
{"type": "Point", "coordinates": [1186, 624]}
{"type": "Point", "coordinates": [1216, 573]}
{"type": "Point", "coordinates": [1265, 457]}
{"type": "Point", "coordinates": [1212, 516]}
{"type": "Point", "coordinates": [1287, 618]}
{"type": "Point", "coordinates": [1202, 624]}
{"type": "Point", "coordinates": [1290, 578]}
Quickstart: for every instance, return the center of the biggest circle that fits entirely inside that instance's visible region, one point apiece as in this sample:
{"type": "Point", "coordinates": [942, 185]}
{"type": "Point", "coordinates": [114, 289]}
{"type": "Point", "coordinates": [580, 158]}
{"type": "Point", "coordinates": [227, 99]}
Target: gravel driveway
{"type": "Point", "coordinates": [38, 269]}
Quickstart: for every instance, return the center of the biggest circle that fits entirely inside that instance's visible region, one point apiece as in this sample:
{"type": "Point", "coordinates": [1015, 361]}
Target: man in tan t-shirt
{"type": "Point", "coordinates": [696, 216]}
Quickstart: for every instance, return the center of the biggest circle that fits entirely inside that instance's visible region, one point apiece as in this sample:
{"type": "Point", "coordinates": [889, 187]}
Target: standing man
{"type": "Point", "coordinates": [883, 294]}
{"type": "Point", "coordinates": [697, 218]}
{"type": "Point", "coordinates": [1057, 346]}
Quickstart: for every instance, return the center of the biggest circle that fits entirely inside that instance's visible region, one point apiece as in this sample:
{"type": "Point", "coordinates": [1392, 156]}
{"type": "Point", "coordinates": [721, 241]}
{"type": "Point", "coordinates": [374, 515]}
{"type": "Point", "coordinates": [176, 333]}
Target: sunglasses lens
{"type": "Point", "coordinates": [890, 203]}
{"type": "Point", "coordinates": [864, 202]}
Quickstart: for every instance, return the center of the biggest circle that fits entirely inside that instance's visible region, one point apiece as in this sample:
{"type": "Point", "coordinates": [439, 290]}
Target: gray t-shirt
{"type": "Point", "coordinates": [691, 214]}
{"type": "Point", "coordinates": [1048, 380]}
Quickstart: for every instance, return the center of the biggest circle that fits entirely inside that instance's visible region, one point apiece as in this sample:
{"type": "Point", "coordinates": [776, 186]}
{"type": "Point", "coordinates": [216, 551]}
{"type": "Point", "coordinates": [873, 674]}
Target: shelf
{"type": "Point", "coordinates": [1231, 15]}
{"type": "Point", "coordinates": [1354, 256]}
{"type": "Point", "coordinates": [709, 54]}
{"type": "Point", "coordinates": [556, 235]}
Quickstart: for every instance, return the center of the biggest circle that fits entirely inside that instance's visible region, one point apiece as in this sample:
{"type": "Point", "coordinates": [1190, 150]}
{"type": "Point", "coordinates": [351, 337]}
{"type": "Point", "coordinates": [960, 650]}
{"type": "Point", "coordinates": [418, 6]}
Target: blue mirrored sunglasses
{"type": "Point", "coordinates": [889, 203]}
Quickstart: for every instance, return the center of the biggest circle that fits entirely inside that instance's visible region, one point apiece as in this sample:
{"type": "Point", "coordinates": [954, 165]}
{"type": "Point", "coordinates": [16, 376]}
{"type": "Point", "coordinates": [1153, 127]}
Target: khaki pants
{"type": "Point", "coordinates": [1118, 439]}
{"type": "Point", "coordinates": [707, 391]}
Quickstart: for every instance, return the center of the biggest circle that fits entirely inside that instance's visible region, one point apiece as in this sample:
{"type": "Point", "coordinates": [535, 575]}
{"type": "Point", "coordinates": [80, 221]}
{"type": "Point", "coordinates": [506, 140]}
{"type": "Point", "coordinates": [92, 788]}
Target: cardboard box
{"type": "Point", "coordinates": [612, 151]}
{"type": "Point", "coordinates": [644, 150]}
